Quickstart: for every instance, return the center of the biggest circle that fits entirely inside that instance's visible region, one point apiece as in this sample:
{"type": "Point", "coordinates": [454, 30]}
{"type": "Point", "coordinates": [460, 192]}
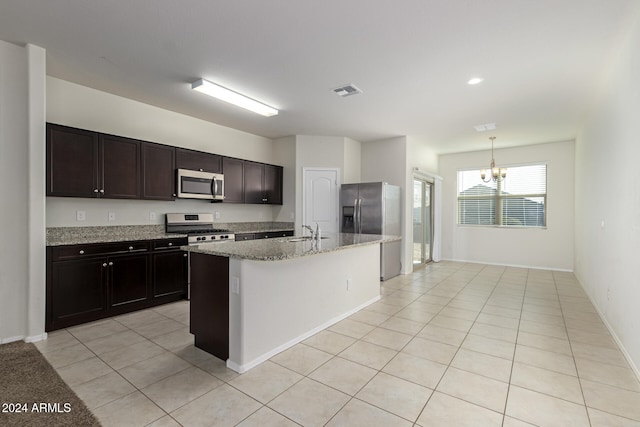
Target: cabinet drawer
{"type": "Point", "coordinates": [59, 253]}
{"type": "Point", "coordinates": [273, 234]}
{"type": "Point", "coordinates": [166, 244]}
{"type": "Point", "coordinates": [245, 236]}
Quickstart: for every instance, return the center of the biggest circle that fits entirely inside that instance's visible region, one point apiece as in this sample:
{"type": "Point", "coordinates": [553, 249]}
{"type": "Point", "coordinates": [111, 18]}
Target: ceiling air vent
{"type": "Point", "coordinates": [347, 90]}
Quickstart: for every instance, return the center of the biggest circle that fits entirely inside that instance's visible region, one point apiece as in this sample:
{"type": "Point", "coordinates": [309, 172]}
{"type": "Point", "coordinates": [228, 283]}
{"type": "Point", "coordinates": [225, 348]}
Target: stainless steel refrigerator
{"type": "Point", "coordinates": [374, 208]}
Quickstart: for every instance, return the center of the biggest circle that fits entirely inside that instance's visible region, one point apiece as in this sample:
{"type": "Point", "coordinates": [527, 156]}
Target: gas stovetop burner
{"type": "Point", "coordinates": [207, 231]}
{"type": "Point", "coordinates": [198, 227]}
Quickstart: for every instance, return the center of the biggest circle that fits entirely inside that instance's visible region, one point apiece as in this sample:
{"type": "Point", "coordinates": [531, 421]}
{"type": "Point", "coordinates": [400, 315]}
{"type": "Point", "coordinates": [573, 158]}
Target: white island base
{"type": "Point", "coordinates": [276, 304]}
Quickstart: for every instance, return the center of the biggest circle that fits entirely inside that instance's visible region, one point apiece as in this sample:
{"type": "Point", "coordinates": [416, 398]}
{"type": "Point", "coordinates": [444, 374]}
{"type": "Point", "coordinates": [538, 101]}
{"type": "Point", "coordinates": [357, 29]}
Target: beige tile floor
{"type": "Point", "coordinates": [453, 344]}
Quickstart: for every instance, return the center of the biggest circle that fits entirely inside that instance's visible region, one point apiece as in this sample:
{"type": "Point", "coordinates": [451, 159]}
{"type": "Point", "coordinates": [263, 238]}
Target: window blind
{"type": "Point", "coordinates": [518, 201]}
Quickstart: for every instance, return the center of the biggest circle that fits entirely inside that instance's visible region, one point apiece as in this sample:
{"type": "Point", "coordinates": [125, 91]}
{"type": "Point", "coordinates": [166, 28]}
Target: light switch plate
{"type": "Point", "coordinates": [217, 215]}
{"type": "Point", "coordinates": [112, 216]}
{"type": "Point", "coordinates": [81, 215]}
{"type": "Point", "coordinates": [152, 216]}
{"type": "Point", "coordinates": [235, 285]}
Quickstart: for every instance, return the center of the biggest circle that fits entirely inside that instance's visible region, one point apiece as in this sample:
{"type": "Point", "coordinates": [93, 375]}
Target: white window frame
{"type": "Point", "coordinates": [499, 199]}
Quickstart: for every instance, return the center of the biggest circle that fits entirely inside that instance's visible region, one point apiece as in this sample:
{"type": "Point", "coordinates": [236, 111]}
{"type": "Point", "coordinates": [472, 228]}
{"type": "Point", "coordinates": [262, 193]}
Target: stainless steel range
{"type": "Point", "coordinates": [199, 227]}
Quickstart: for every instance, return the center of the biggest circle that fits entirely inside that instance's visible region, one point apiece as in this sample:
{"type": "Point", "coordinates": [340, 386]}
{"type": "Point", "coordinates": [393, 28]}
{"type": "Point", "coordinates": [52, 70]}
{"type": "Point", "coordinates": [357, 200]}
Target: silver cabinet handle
{"type": "Point", "coordinates": [130, 248]}
{"type": "Point", "coordinates": [104, 264]}
{"type": "Point", "coordinates": [264, 200]}
{"type": "Point", "coordinates": [201, 170]}
{"type": "Point", "coordinates": [102, 191]}
{"type": "Point", "coordinates": [170, 244]}
{"type": "Point", "coordinates": [110, 263]}
{"type": "Point", "coordinates": [95, 190]}
{"type": "Point", "coordinates": [185, 255]}
{"type": "Point", "coordinates": [81, 252]}
{"type": "Point", "coordinates": [174, 195]}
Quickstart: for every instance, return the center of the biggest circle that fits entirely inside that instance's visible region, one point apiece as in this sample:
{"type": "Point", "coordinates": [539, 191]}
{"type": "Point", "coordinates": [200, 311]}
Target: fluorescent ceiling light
{"type": "Point", "coordinates": [475, 80]}
{"type": "Point", "coordinates": [232, 97]}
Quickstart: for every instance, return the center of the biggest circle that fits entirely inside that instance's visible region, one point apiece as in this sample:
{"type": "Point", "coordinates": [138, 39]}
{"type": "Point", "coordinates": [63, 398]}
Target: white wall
{"type": "Point", "coordinates": [285, 155]}
{"type": "Point", "coordinates": [352, 161]}
{"type": "Point", "coordinates": [22, 277]}
{"type": "Point", "coordinates": [386, 160]}
{"type": "Point", "coordinates": [549, 248]}
{"type": "Point", "coordinates": [82, 107]}
{"type": "Point", "coordinates": [608, 191]}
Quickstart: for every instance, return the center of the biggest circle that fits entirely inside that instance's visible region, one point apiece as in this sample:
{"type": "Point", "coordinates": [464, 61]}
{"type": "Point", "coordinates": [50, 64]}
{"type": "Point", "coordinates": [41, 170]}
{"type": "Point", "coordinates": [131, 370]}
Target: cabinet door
{"type": "Point", "coordinates": [198, 161]}
{"type": "Point", "coordinates": [233, 170]}
{"type": "Point", "coordinates": [120, 165]}
{"type": "Point", "coordinates": [128, 279]}
{"type": "Point", "coordinates": [76, 292]}
{"type": "Point", "coordinates": [253, 176]}
{"type": "Point", "coordinates": [72, 162]}
{"type": "Point", "coordinates": [158, 172]}
{"type": "Point", "coordinates": [273, 184]}
{"type": "Point", "coordinates": [169, 273]}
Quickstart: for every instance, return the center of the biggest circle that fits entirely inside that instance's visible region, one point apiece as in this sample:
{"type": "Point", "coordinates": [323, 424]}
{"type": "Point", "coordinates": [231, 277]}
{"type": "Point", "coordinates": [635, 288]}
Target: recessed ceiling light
{"type": "Point", "coordinates": [475, 80]}
{"type": "Point", "coordinates": [232, 97]}
{"type": "Point", "coordinates": [485, 127]}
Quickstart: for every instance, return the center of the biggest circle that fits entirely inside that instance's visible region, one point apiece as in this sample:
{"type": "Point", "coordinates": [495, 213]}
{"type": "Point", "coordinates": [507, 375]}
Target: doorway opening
{"type": "Point", "coordinates": [422, 221]}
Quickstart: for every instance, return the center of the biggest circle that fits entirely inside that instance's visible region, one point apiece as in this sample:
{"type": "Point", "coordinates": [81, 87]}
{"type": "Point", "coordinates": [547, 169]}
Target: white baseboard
{"type": "Point", "coordinates": [511, 265]}
{"type": "Point", "coordinates": [36, 338]}
{"type": "Point", "coordinates": [268, 355]}
{"type": "Point", "coordinates": [11, 339]}
{"type": "Point", "coordinates": [626, 355]}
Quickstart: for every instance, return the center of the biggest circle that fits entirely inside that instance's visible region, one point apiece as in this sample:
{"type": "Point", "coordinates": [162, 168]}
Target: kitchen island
{"type": "Point", "coordinates": [251, 300]}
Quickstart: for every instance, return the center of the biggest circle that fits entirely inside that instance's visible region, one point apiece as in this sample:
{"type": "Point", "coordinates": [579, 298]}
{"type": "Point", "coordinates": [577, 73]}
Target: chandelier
{"type": "Point", "coordinates": [497, 174]}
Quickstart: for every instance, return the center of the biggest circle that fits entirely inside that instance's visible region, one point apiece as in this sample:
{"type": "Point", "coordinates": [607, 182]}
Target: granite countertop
{"type": "Point", "coordinates": [58, 236]}
{"type": "Point", "coordinates": [283, 248]}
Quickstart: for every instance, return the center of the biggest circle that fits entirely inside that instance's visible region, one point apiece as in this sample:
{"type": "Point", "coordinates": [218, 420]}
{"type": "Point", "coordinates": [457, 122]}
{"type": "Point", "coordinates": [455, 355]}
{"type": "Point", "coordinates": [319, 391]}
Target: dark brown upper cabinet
{"type": "Point", "coordinates": [262, 183]}
{"type": "Point", "coordinates": [88, 164]}
{"type": "Point", "coordinates": [158, 172]}
{"type": "Point", "coordinates": [233, 170]}
{"type": "Point", "coordinates": [119, 163]}
{"type": "Point", "coordinates": [198, 161]}
{"type": "Point", "coordinates": [82, 163]}
{"type": "Point", "coordinates": [72, 162]}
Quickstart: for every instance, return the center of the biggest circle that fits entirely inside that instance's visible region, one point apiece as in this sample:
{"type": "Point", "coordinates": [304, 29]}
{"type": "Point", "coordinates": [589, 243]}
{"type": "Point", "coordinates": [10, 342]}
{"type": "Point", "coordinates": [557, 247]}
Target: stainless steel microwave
{"type": "Point", "coordinates": [200, 185]}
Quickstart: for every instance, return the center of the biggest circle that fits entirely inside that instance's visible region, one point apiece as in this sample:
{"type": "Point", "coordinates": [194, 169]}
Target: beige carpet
{"type": "Point", "coordinates": [28, 383]}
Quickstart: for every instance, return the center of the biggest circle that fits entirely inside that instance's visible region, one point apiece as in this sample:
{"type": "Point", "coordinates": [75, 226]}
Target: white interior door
{"type": "Point", "coordinates": [320, 199]}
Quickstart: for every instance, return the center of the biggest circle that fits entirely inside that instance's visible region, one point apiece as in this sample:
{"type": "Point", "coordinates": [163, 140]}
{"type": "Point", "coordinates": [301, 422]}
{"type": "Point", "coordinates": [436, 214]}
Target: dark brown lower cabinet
{"type": "Point", "coordinates": [209, 311]}
{"type": "Point", "coordinates": [76, 292]}
{"type": "Point", "coordinates": [94, 281]}
{"type": "Point", "coordinates": [128, 279]}
{"type": "Point", "coordinates": [169, 273]}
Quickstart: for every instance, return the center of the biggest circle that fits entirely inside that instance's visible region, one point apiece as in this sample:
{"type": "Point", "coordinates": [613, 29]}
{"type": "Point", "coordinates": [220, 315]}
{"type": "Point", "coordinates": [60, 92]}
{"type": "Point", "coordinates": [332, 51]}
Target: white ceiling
{"type": "Point", "coordinates": [542, 60]}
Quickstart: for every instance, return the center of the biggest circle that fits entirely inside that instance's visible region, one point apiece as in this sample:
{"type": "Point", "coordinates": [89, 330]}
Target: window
{"type": "Point", "coordinates": [518, 201]}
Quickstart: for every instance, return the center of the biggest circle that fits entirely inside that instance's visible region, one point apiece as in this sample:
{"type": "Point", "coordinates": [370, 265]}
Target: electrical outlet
{"type": "Point", "coordinates": [81, 215]}
{"type": "Point", "coordinates": [235, 285]}
{"type": "Point", "coordinates": [217, 215]}
{"type": "Point", "coordinates": [152, 216]}
{"type": "Point", "coordinates": [112, 216]}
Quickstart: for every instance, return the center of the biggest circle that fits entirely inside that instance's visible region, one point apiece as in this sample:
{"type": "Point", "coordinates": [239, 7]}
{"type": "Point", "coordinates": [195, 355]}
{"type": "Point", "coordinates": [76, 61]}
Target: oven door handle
{"type": "Point", "coordinates": [215, 187]}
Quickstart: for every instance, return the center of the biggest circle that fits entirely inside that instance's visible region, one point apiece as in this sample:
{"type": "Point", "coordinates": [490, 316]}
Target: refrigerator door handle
{"type": "Point", "coordinates": [359, 216]}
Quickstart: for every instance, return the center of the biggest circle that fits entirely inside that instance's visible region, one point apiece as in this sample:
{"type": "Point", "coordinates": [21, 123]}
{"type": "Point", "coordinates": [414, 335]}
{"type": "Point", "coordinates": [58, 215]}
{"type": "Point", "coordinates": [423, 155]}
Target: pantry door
{"type": "Point", "coordinates": [321, 192]}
